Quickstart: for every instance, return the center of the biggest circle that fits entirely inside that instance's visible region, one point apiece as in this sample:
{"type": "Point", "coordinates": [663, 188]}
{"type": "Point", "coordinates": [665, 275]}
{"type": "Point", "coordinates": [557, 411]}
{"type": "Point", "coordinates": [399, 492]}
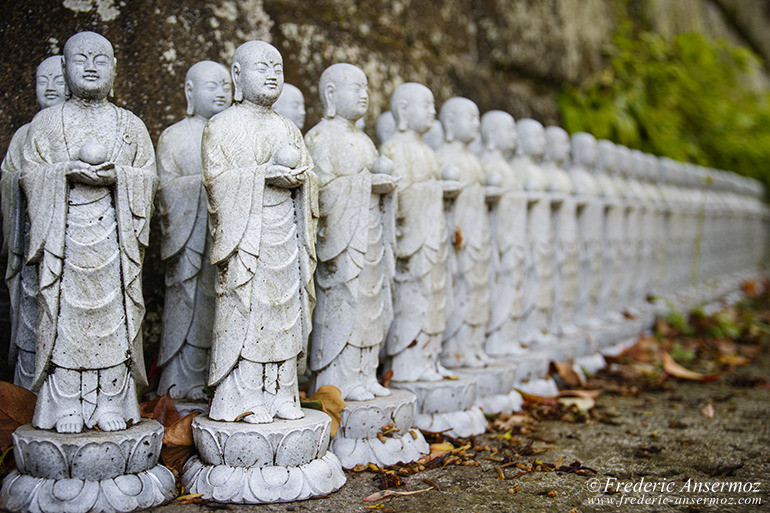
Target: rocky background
{"type": "Point", "coordinates": [514, 55]}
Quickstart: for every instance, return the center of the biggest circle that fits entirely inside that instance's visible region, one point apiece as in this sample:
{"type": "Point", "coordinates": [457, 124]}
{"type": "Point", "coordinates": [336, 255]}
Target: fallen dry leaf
{"type": "Point", "coordinates": [180, 432]}
{"type": "Point", "coordinates": [175, 456]}
{"type": "Point", "coordinates": [538, 399]}
{"type": "Point", "coordinates": [586, 394]}
{"type": "Point", "coordinates": [16, 409]}
{"type": "Point", "coordinates": [161, 409]}
{"type": "Point", "coordinates": [389, 492]}
{"type": "Point", "coordinates": [581, 403]}
{"type": "Point", "coordinates": [567, 373]}
{"type": "Point", "coordinates": [708, 411]}
{"type": "Point", "coordinates": [332, 404]}
{"type": "Point", "coordinates": [674, 369]}
{"type": "Point", "coordinates": [387, 377]}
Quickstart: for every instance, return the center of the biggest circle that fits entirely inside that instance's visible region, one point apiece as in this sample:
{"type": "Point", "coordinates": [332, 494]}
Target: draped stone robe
{"type": "Point", "coordinates": [263, 240]}
{"type": "Point", "coordinates": [420, 292]}
{"type": "Point", "coordinates": [88, 243]}
{"type": "Point", "coordinates": [355, 251]}
{"type": "Point", "coordinates": [21, 279]}
{"type": "Point", "coordinates": [188, 312]}
{"type": "Point", "coordinates": [508, 227]}
{"type": "Point", "coordinates": [467, 322]}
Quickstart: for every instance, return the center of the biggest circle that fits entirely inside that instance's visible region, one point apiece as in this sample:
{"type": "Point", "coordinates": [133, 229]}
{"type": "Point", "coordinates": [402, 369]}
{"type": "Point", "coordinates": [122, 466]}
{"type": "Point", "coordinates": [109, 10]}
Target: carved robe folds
{"type": "Point", "coordinates": [355, 252]}
{"type": "Point", "coordinates": [263, 244]}
{"type": "Point", "coordinates": [88, 242]}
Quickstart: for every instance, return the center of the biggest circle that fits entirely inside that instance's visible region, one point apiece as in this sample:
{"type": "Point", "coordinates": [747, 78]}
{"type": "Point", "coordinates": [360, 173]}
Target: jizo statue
{"type": "Point", "coordinates": [88, 172]}
{"type": "Point", "coordinates": [385, 127]}
{"type": "Point", "coordinates": [188, 312]}
{"type": "Point", "coordinates": [356, 241]}
{"type": "Point", "coordinates": [263, 207]}
{"type": "Point", "coordinates": [291, 104]}
{"type": "Point", "coordinates": [467, 320]}
{"type": "Point", "coordinates": [508, 227]}
{"type": "Point", "coordinates": [21, 279]}
{"type": "Point", "coordinates": [420, 294]}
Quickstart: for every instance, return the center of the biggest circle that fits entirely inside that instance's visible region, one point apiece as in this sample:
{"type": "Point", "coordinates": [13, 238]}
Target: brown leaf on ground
{"type": "Point", "coordinates": [567, 374]}
{"type": "Point", "coordinates": [388, 493]}
{"type": "Point", "coordinates": [332, 404]}
{"type": "Point", "coordinates": [180, 432]}
{"type": "Point", "coordinates": [674, 369]}
{"type": "Point", "coordinates": [537, 399]}
{"type": "Point", "coordinates": [16, 408]}
{"type": "Point", "coordinates": [646, 350]}
{"type": "Point", "coordinates": [708, 411]}
{"type": "Point", "coordinates": [161, 409]}
{"type": "Point", "coordinates": [506, 422]}
{"type": "Point", "coordinates": [175, 456]}
{"type": "Point", "coordinates": [586, 394]}
{"type": "Point", "coordinates": [387, 377]}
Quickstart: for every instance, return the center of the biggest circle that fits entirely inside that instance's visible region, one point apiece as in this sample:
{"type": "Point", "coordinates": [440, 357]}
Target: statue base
{"type": "Point", "coordinates": [104, 471]}
{"type": "Point", "coordinates": [545, 387]}
{"type": "Point", "coordinates": [282, 461]}
{"type": "Point", "coordinates": [361, 438]}
{"type": "Point", "coordinates": [494, 387]}
{"type": "Point", "coordinates": [447, 405]}
{"type": "Point", "coordinates": [591, 364]}
{"type": "Point", "coordinates": [531, 366]}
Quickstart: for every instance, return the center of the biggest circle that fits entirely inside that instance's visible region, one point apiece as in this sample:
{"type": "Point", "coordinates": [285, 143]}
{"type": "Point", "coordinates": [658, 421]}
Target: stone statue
{"type": "Point", "coordinates": [355, 241]}
{"type": "Point", "coordinates": [263, 211]}
{"type": "Point", "coordinates": [538, 286]}
{"type": "Point", "coordinates": [261, 197]}
{"type": "Point", "coordinates": [291, 104]}
{"type": "Point", "coordinates": [356, 266]}
{"type": "Point", "coordinates": [589, 228]}
{"type": "Point", "coordinates": [467, 320]}
{"type": "Point", "coordinates": [435, 136]}
{"type": "Point", "coordinates": [508, 223]}
{"type": "Point", "coordinates": [469, 263]}
{"type": "Point", "coordinates": [565, 248]}
{"type": "Point", "coordinates": [188, 312]}
{"type": "Point", "coordinates": [414, 342]}
{"type": "Point", "coordinates": [21, 279]}
{"type": "Point", "coordinates": [386, 127]}
{"type": "Point", "coordinates": [88, 249]}
{"type": "Point", "coordinates": [88, 172]}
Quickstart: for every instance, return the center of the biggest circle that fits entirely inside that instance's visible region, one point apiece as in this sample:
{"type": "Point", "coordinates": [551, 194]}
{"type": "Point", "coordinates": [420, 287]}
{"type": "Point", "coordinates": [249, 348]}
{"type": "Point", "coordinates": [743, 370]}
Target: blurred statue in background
{"type": "Point", "coordinates": [291, 104]}
{"type": "Point", "coordinates": [188, 312]}
{"type": "Point", "coordinates": [21, 279]}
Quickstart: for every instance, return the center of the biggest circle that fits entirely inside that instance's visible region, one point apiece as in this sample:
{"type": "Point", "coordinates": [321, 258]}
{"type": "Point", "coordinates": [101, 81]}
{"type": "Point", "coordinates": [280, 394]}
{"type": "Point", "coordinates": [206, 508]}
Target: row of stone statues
{"type": "Point", "coordinates": [464, 255]}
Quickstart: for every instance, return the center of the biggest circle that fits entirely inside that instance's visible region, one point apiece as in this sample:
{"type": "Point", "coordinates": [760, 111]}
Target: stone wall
{"type": "Point", "coordinates": [504, 54]}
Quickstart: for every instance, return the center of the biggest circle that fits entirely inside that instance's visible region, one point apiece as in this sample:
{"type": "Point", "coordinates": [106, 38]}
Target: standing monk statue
{"type": "Point", "coordinates": [21, 279]}
{"type": "Point", "coordinates": [355, 241]}
{"type": "Point", "coordinates": [88, 172]}
{"type": "Point", "coordinates": [188, 312]}
{"type": "Point", "coordinates": [263, 208]}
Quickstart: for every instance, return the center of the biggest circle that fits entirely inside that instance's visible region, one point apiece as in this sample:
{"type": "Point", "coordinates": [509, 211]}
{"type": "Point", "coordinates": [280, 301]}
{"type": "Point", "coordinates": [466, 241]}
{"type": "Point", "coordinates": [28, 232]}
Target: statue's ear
{"type": "Point", "coordinates": [188, 89]}
{"type": "Point", "coordinates": [67, 92]}
{"type": "Point", "coordinates": [331, 109]}
{"type": "Point", "coordinates": [114, 74]}
{"type": "Point", "coordinates": [236, 72]}
{"type": "Point", "coordinates": [402, 106]}
{"type": "Point", "coordinates": [449, 128]}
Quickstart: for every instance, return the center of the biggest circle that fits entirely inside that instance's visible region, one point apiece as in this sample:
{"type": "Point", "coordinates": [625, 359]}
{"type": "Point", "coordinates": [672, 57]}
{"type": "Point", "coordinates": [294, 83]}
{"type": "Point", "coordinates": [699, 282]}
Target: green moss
{"type": "Point", "coordinates": [686, 97]}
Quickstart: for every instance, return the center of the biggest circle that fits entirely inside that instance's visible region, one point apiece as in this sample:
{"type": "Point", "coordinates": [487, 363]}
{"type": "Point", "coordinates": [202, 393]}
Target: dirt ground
{"type": "Point", "coordinates": [663, 439]}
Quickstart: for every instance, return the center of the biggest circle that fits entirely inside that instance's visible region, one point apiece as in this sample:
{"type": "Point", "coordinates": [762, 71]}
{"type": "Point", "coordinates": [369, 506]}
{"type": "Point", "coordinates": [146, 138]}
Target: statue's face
{"type": "Point", "coordinates": [466, 123]}
{"type": "Point", "coordinates": [260, 76]}
{"type": "Point", "coordinates": [421, 111]}
{"type": "Point", "coordinates": [211, 91]}
{"type": "Point", "coordinates": [89, 66]}
{"type": "Point", "coordinates": [503, 134]}
{"type": "Point", "coordinates": [532, 139]}
{"type": "Point", "coordinates": [351, 96]}
{"type": "Point", "coordinates": [585, 151]}
{"type": "Point", "coordinates": [49, 87]}
{"type": "Point", "coordinates": [557, 142]}
{"type": "Point", "coordinates": [291, 104]}
{"type": "Point", "coordinates": [606, 156]}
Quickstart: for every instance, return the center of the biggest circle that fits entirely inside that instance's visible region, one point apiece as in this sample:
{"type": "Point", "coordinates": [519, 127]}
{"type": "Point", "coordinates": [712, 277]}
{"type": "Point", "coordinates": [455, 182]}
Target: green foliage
{"type": "Point", "coordinates": [688, 98]}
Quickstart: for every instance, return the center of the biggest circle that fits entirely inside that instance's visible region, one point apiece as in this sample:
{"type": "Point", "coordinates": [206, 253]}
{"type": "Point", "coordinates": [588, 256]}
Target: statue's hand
{"type": "Point", "coordinates": [86, 174]}
{"type": "Point", "coordinates": [383, 184]}
{"type": "Point", "coordinates": [452, 188]}
{"type": "Point", "coordinates": [285, 177]}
